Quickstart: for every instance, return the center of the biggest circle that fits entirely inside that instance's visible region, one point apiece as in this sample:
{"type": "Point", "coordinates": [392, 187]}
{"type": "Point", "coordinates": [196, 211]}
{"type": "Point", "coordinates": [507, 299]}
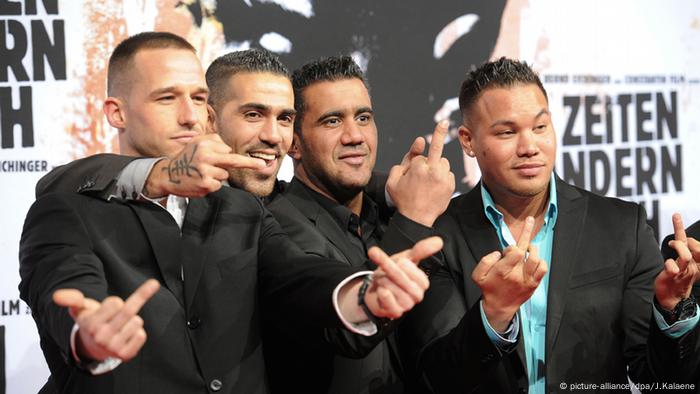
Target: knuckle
{"type": "Point", "coordinates": [103, 337]}
{"type": "Point", "coordinates": [137, 321]}
{"type": "Point", "coordinates": [112, 301]}
{"type": "Point", "coordinates": [140, 335]}
{"type": "Point", "coordinates": [124, 354]}
{"type": "Point", "coordinates": [418, 298]}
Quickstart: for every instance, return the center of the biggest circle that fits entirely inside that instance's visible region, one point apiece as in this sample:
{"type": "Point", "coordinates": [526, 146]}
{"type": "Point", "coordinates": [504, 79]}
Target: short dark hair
{"type": "Point", "coordinates": [328, 69]}
{"type": "Point", "coordinates": [501, 73]}
{"type": "Point", "coordinates": [250, 60]}
{"type": "Point", "coordinates": [124, 53]}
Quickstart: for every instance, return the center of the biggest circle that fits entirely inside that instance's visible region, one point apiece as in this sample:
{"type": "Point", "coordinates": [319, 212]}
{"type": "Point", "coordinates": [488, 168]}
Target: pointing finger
{"type": "Point", "coordinates": [138, 298]}
{"type": "Point", "coordinates": [393, 270]}
{"type": "Point", "coordinates": [234, 160]}
{"type": "Point", "coordinates": [437, 143]}
{"type": "Point", "coordinates": [421, 250]}
{"type": "Point", "coordinates": [678, 228]}
{"type": "Point", "coordinates": [524, 239]}
{"type": "Point", "coordinates": [684, 255]}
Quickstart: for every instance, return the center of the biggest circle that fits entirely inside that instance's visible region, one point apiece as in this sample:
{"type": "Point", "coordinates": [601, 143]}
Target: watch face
{"type": "Point", "coordinates": [686, 308]}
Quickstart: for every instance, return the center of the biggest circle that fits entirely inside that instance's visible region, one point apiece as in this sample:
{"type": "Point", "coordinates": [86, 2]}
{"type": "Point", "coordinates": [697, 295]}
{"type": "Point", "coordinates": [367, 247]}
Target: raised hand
{"type": "Point", "coordinates": [197, 169]}
{"type": "Point", "coordinates": [111, 328]}
{"type": "Point", "coordinates": [421, 187]}
{"type": "Point", "coordinates": [676, 281]}
{"type": "Point", "coordinates": [397, 285]}
{"type": "Point", "coordinates": [508, 279]}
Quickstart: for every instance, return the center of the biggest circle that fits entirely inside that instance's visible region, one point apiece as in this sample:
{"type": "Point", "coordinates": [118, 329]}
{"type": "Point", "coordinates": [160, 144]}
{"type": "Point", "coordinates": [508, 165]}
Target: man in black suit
{"type": "Point", "coordinates": [569, 302]}
{"type": "Point", "coordinates": [326, 212]}
{"type": "Point", "coordinates": [203, 323]}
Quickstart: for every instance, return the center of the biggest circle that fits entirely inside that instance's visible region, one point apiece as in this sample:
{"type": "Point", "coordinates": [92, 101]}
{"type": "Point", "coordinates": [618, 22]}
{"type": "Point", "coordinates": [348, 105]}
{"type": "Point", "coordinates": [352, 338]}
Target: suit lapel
{"type": "Point", "coordinates": [479, 233]}
{"type": "Point", "coordinates": [326, 225]}
{"type": "Point", "coordinates": [482, 239]}
{"type": "Point", "coordinates": [197, 228]}
{"type": "Point", "coordinates": [565, 249]}
{"type": "Point", "coordinates": [164, 237]}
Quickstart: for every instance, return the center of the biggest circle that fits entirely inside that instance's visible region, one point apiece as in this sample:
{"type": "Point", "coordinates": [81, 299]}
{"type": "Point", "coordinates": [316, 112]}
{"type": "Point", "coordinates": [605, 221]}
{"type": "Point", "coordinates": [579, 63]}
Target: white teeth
{"type": "Point", "coordinates": [263, 156]}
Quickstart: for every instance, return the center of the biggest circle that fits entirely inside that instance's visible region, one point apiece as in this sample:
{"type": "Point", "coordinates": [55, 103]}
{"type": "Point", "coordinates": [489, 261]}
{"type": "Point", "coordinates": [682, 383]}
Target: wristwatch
{"type": "Point", "coordinates": [684, 309]}
{"type": "Point", "coordinates": [380, 322]}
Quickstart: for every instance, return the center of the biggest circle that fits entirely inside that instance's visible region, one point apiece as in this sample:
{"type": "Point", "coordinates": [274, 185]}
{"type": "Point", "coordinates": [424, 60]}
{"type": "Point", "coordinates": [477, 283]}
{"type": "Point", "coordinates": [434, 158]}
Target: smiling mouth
{"type": "Point", "coordinates": [268, 157]}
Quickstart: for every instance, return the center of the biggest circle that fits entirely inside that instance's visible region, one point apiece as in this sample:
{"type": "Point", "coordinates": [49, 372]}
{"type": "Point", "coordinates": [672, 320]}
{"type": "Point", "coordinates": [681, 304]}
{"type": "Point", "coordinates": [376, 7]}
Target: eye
{"type": "Point", "coordinates": [252, 115]}
{"type": "Point", "coordinates": [286, 118]}
{"type": "Point", "coordinates": [541, 127]}
{"type": "Point", "coordinates": [332, 122]}
{"type": "Point", "coordinates": [200, 99]}
{"type": "Point", "coordinates": [505, 133]}
{"type": "Point", "coordinates": [364, 119]}
{"type": "Point", "coordinates": [166, 98]}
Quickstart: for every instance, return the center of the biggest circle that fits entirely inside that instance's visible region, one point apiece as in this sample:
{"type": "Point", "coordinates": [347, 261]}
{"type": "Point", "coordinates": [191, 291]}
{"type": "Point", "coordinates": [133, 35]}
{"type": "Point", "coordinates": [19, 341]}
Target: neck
{"type": "Point", "coordinates": [351, 199]}
{"type": "Point", "coordinates": [516, 209]}
{"type": "Point", "coordinates": [125, 149]}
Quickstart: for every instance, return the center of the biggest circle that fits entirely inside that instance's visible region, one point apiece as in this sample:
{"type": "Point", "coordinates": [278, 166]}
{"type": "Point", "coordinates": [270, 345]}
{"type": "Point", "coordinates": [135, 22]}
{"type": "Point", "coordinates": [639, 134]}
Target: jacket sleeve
{"type": "Point", "coordinates": [665, 359]}
{"type": "Point", "coordinates": [95, 175]}
{"type": "Point", "coordinates": [56, 253]}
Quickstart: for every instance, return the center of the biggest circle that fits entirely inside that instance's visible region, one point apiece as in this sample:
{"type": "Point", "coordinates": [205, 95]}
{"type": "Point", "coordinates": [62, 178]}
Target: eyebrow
{"type": "Point", "coordinates": [338, 113]}
{"type": "Point", "coordinates": [174, 89]}
{"type": "Point", "coordinates": [543, 111]}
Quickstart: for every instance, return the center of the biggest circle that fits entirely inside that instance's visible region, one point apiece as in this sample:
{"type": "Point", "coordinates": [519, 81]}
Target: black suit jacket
{"type": "Point", "coordinates": [352, 362]}
{"type": "Point", "coordinates": [204, 333]}
{"type": "Point", "coordinates": [604, 261]}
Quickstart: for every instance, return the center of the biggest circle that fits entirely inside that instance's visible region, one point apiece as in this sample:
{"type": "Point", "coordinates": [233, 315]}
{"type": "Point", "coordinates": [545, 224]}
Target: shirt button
{"type": "Point", "coordinates": [193, 323]}
{"type": "Point", "coordinates": [215, 385]}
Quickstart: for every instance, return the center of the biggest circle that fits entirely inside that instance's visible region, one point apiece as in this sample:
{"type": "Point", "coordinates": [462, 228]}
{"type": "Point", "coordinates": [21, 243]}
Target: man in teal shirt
{"type": "Point", "coordinates": [584, 303]}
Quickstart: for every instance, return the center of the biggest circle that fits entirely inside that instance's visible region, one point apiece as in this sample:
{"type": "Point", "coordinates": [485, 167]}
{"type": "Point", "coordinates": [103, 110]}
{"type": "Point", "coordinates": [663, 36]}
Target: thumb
{"type": "Point", "coordinates": [416, 149]}
{"type": "Point", "coordinates": [425, 248]}
{"type": "Point", "coordinates": [72, 299]}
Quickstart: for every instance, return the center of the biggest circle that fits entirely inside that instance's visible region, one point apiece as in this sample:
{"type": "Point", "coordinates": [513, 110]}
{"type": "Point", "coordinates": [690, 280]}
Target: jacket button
{"type": "Point", "coordinates": [86, 185]}
{"type": "Point", "coordinates": [193, 323]}
{"type": "Point", "coordinates": [215, 385]}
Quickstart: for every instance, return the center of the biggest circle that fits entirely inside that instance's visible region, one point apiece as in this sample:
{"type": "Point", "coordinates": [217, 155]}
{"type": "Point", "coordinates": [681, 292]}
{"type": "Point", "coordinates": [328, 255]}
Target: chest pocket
{"type": "Point", "coordinates": [234, 265]}
{"type": "Point", "coordinates": [595, 276]}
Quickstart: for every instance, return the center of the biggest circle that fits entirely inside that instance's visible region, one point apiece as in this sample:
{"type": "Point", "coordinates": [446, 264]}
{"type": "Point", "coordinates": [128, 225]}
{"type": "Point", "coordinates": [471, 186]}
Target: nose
{"type": "Point", "coordinates": [271, 133]}
{"type": "Point", "coordinates": [527, 144]}
{"type": "Point", "coordinates": [352, 134]}
{"type": "Point", "coordinates": [187, 115]}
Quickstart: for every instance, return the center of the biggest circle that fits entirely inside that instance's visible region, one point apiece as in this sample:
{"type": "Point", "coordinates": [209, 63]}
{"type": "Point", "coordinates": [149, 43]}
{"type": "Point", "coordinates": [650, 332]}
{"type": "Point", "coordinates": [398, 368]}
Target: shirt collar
{"type": "Point", "coordinates": [344, 216]}
{"type": "Point", "coordinates": [495, 216]}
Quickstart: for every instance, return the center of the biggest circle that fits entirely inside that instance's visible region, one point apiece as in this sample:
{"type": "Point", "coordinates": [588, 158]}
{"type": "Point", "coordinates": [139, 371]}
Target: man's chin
{"type": "Point", "coordinates": [530, 190]}
{"type": "Point", "coordinates": [260, 188]}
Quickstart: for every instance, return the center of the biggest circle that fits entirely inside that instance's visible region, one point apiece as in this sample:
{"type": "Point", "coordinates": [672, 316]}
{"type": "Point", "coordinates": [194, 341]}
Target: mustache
{"type": "Point", "coordinates": [362, 149]}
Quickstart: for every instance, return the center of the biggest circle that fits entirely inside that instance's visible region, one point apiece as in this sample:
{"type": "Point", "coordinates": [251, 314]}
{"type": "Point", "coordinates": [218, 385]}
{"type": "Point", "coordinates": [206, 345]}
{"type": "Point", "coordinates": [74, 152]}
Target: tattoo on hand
{"type": "Point", "coordinates": [182, 166]}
